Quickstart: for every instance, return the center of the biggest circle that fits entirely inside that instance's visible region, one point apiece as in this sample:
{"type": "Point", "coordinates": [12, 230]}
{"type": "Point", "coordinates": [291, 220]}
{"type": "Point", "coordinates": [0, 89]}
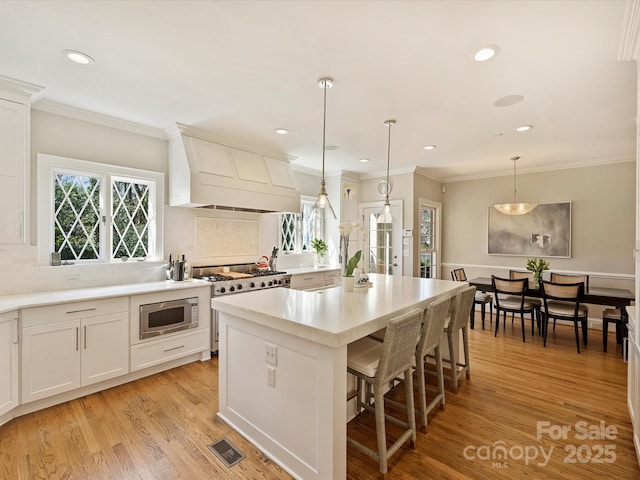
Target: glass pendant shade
{"type": "Point", "coordinates": [386, 215]}
{"type": "Point", "coordinates": [323, 198]}
{"type": "Point", "coordinates": [515, 208]}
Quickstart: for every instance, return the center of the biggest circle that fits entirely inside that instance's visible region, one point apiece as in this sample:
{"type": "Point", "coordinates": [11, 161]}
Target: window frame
{"type": "Point", "coordinates": [49, 165]}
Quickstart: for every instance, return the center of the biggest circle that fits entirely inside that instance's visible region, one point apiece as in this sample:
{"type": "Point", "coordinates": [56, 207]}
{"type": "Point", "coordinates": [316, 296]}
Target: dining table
{"type": "Point", "coordinates": [613, 297]}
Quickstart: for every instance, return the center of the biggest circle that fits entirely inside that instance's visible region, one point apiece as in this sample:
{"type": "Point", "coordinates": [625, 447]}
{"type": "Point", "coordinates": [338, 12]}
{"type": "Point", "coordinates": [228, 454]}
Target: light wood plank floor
{"type": "Point", "coordinates": [159, 427]}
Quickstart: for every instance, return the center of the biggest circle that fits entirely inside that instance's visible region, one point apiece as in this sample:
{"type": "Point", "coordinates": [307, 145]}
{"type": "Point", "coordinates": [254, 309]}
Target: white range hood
{"type": "Point", "coordinates": [207, 172]}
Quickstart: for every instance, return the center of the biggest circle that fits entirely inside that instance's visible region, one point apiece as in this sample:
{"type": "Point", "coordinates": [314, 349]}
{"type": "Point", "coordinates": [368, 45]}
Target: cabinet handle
{"type": "Point", "coordinates": [174, 348]}
{"type": "Point", "coordinates": [21, 224]}
{"type": "Point", "coordinates": [85, 337]}
{"type": "Point", "coordinates": [15, 331]}
{"type": "Point", "coordinates": [308, 278]}
{"type": "Point", "coordinates": [77, 339]}
{"type": "Point", "coordinates": [82, 310]}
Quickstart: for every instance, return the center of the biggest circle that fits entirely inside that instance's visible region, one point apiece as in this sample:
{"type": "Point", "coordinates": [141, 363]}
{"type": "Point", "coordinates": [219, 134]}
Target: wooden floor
{"type": "Point", "coordinates": [159, 427]}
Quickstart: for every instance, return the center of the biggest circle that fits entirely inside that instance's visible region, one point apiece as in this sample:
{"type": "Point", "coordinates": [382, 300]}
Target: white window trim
{"type": "Point", "coordinates": [438, 234]}
{"type": "Point", "coordinates": [48, 164]}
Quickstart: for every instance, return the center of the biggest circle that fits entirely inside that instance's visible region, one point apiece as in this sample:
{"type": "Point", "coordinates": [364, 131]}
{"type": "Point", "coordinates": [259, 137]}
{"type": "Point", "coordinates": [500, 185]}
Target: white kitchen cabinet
{"type": "Point", "coordinates": [8, 361]}
{"type": "Point", "coordinates": [14, 159]}
{"type": "Point", "coordinates": [73, 345]}
{"type": "Point", "coordinates": [313, 280]}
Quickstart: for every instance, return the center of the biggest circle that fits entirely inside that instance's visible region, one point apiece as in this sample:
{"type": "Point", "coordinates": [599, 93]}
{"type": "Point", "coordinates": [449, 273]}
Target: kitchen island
{"type": "Point", "coordinates": [283, 364]}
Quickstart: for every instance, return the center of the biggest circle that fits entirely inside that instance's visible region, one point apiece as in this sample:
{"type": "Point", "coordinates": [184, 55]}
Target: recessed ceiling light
{"type": "Point", "coordinates": [429, 147]}
{"type": "Point", "coordinates": [486, 53]}
{"type": "Point", "coordinates": [364, 160]}
{"type": "Point", "coordinates": [281, 131]}
{"type": "Point", "coordinates": [78, 57]}
{"type": "Point", "coordinates": [524, 128]}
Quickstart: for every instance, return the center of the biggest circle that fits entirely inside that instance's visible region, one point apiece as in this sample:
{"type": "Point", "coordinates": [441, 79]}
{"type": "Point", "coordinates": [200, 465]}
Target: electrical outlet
{"type": "Point", "coordinates": [271, 376]}
{"type": "Point", "coordinates": [271, 353]}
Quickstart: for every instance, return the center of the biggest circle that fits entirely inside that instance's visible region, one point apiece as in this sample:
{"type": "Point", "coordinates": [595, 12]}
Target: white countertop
{"type": "Point", "coordinates": [38, 299]}
{"type": "Point", "coordinates": [331, 316]}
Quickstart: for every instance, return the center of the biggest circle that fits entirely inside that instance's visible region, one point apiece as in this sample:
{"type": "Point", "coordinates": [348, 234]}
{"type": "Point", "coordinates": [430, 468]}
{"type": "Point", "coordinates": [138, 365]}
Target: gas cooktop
{"type": "Point", "coordinates": [230, 279]}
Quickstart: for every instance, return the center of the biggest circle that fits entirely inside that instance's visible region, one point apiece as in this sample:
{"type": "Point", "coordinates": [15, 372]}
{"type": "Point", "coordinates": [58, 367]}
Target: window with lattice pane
{"type": "Point", "coordinates": [130, 219]}
{"type": "Point", "coordinates": [288, 232]}
{"type": "Point", "coordinates": [94, 212]}
{"type": "Point", "coordinates": [77, 216]}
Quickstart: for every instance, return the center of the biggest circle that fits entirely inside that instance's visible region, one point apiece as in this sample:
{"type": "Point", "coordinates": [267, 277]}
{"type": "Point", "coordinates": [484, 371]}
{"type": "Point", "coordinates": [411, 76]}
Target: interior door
{"type": "Point", "coordinates": [382, 241]}
{"type": "Point", "coordinates": [429, 239]}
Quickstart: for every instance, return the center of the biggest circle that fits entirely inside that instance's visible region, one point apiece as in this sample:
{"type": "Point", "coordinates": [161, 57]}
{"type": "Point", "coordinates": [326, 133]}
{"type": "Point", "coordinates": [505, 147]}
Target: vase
{"type": "Point", "coordinates": [348, 283]}
{"type": "Point", "coordinates": [344, 253]}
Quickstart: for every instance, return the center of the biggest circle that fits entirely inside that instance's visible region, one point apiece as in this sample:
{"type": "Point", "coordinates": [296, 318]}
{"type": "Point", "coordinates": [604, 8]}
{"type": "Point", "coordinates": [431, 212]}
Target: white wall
{"type": "Point", "coordinates": [603, 221]}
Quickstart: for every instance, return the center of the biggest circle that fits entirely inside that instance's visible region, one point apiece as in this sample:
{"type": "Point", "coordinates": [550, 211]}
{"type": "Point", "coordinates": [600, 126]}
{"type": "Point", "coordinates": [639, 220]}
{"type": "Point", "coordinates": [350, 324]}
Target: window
{"type": "Point", "coordinates": [297, 230]}
{"type": "Point", "coordinates": [429, 241]}
{"type": "Point", "coordinates": [91, 212]}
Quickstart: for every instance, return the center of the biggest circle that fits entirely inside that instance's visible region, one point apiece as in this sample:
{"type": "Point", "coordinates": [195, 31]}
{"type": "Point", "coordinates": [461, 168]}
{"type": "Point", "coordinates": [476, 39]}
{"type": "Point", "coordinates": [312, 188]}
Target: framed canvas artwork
{"type": "Point", "coordinates": [543, 232]}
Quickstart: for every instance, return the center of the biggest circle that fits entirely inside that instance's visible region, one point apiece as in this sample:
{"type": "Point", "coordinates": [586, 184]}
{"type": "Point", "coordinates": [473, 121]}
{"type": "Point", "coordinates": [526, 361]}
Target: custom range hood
{"type": "Point", "coordinates": [206, 171]}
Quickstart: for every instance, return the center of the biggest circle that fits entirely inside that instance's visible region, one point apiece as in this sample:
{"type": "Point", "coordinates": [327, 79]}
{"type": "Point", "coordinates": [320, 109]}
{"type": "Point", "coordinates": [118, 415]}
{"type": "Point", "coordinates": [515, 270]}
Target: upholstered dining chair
{"type": "Point", "coordinates": [377, 364]}
{"type": "Point", "coordinates": [517, 274]}
{"type": "Point", "coordinates": [459, 322]}
{"type": "Point", "coordinates": [569, 278]}
{"type": "Point", "coordinates": [613, 315]}
{"type": "Point", "coordinates": [510, 298]}
{"type": "Point", "coordinates": [562, 302]}
{"type": "Point", "coordinates": [481, 298]}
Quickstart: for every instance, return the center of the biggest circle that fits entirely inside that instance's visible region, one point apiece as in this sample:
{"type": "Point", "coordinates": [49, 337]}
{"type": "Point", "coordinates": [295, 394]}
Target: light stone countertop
{"type": "Point", "coordinates": [331, 316]}
{"type": "Point", "coordinates": [38, 299]}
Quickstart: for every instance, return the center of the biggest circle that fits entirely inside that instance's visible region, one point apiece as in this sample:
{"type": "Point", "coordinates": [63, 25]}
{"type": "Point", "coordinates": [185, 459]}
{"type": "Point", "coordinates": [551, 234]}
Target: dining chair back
{"type": "Point", "coordinates": [510, 298]}
{"type": "Point", "coordinates": [518, 274]}
{"type": "Point", "coordinates": [481, 298]}
{"type": "Point", "coordinates": [569, 278]}
{"type": "Point", "coordinates": [562, 302]}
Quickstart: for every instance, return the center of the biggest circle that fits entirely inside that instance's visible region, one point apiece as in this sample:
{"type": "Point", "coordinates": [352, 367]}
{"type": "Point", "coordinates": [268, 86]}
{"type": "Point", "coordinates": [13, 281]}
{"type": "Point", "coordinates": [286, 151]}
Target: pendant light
{"type": "Point", "coordinates": [323, 199]}
{"type": "Point", "coordinates": [386, 215]}
{"type": "Point", "coordinates": [515, 208]}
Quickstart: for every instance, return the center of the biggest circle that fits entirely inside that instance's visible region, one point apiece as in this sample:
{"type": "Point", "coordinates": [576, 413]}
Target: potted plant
{"type": "Point", "coordinates": [537, 266]}
{"type": "Point", "coordinates": [321, 248]}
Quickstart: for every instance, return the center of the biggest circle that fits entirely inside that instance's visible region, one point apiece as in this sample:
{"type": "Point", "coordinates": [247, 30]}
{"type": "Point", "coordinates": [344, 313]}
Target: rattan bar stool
{"type": "Point", "coordinates": [377, 364]}
{"type": "Point", "coordinates": [462, 305]}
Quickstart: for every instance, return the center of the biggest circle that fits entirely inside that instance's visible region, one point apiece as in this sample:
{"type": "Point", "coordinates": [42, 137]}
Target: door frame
{"type": "Point", "coordinates": [438, 234]}
{"type": "Point", "coordinates": [397, 232]}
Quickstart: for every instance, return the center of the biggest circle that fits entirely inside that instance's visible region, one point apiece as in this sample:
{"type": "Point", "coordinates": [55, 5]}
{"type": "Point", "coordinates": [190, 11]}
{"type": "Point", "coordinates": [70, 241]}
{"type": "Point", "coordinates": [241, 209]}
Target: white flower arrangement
{"type": "Point", "coordinates": [346, 228]}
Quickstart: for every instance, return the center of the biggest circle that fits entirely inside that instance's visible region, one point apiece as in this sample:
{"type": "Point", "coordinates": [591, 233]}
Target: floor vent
{"type": "Point", "coordinates": [227, 452]}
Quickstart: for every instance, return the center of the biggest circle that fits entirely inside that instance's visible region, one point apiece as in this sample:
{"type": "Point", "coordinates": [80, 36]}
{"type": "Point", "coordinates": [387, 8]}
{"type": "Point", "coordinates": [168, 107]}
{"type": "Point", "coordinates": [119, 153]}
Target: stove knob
{"type": "Point", "coordinates": [222, 290]}
{"type": "Point", "coordinates": [239, 287]}
{"type": "Point", "coordinates": [279, 282]}
{"type": "Point", "coordinates": [286, 281]}
{"type": "Point", "coordinates": [252, 285]}
{"type": "Point", "coordinates": [270, 283]}
{"type": "Point", "coordinates": [263, 285]}
{"type": "Point", "coordinates": [231, 289]}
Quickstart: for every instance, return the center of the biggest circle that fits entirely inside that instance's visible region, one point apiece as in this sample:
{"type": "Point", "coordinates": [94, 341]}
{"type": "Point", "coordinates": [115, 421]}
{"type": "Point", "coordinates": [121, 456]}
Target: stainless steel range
{"type": "Point", "coordinates": [234, 279]}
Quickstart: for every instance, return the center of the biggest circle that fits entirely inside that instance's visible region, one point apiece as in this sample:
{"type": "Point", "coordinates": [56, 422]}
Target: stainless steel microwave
{"type": "Point", "coordinates": [167, 317]}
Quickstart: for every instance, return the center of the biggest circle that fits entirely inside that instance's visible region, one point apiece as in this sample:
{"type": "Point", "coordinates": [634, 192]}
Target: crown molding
{"type": "Point", "coordinates": [383, 173]}
{"type": "Point", "coordinates": [18, 90]}
{"type": "Point", "coordinates": [307, 170]}
{"type": "Point", "coordinates": [594, 162]}
{"type": "Point", "coordinates": [98, 118]}
{"type": "Point", "coordinates": [629, 48]}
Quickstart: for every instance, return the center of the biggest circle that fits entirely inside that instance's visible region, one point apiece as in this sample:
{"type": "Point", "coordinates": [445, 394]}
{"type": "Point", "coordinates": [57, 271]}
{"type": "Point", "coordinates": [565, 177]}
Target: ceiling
{"type": "Point", "coordinates": [240, 69]}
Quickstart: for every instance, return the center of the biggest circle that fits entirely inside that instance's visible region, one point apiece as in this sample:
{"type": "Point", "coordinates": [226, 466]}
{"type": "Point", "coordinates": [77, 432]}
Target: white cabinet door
{"type": "Point", "coordinates": [8, 361]}
{"type": "Point", "coordinates": [13, 171]}
{"type": "Point", "coordinates": [105, 347]}
{"type": "Point", "coordinates": [50, 359]}
{"type": "Point", "coordinates": [633, 393]}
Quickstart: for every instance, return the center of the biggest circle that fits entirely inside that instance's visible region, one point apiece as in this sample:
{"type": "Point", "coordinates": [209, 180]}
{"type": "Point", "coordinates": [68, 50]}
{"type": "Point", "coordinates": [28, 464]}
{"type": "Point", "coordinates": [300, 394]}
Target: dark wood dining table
{"type": "Point", "coordinates": [614, 297]}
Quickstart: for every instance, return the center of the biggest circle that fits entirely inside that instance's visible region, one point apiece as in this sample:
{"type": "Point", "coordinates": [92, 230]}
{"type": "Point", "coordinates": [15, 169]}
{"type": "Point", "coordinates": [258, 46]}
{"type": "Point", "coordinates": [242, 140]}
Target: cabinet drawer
{"type": "Point", "coordinates": [160, 351]}
{"type": "Point", "coordinates": [307, 280]}
{"type": "Point", "coordinates": [75, 310]}
{"type": "Point", "coordinates": [330, 276]}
